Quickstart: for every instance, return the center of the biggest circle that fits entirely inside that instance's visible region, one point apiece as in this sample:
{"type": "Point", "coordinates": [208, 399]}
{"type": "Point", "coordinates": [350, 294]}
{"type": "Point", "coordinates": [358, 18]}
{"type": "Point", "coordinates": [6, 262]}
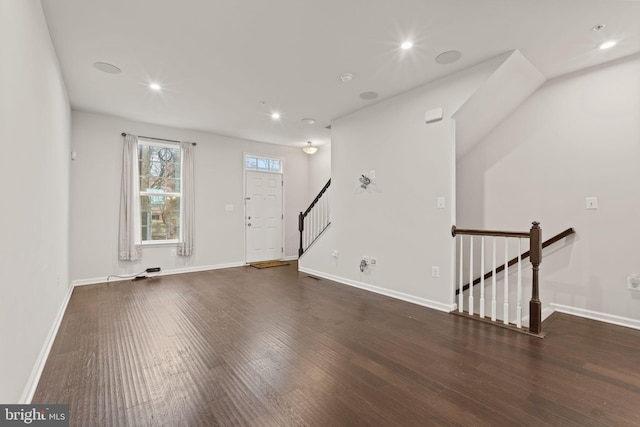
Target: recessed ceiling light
{"type": "Point", "coordinates": [155, 86]}
{"type": "Point", "coordinates": [275, 115]}
{"type": "Point", "coordinates": [346, 77]}
{"type": "Point", "coordinates": [308, 121]}
{"type": "Point", "coordinates": [406, 45]}
{"type": "Point", "coordinates": [607, 45]}
{"type": "Point", "coordinates": [368, 96]}
{"type": "Point", "coordinates": [598, 27]}
{"type": "Point", "coordinates": [448, 57]}
{"type": "Point", "coordinates": [105, 67]}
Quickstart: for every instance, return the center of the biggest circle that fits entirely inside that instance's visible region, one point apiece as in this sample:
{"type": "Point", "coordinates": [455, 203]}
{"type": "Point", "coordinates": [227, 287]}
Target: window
{"type": "Point", "coordinates": [160, 191]}
{"type": "Point", "coordinates": [262, 164]}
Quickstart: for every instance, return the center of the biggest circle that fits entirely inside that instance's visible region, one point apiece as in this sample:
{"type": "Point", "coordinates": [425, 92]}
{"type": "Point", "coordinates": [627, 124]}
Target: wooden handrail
{"type": "Point", "coordinates": [569, 231]}
{"type": "Point", "coordinates": [317, 198]}
{"type": "Point", "coordinates": [470, 232]}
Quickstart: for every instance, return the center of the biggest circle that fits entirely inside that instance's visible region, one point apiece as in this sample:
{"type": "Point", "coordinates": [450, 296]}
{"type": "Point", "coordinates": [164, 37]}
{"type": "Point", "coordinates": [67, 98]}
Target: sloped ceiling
{"type": "Point", "coordinates": [508, 87]}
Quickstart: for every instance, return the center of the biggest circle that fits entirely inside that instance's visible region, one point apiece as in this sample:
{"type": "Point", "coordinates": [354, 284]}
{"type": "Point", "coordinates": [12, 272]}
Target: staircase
{"type": "Point", "coordinates": [486, 307]}
{"type": "Point", "coordinates": [315, 219]}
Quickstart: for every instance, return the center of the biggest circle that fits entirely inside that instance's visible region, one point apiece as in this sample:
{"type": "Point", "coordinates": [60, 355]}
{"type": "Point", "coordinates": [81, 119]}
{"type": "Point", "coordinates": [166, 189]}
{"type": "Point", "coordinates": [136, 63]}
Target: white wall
{"type": "Point", "coordinates": [34, 130]}
{"type": "Point", "coordinates": [396, 219]}
{"type": "Point", "coordinates": [578, 136]}
{"type": "Point", "coordinates": [95, 197]}
{"type": "Point", "coordinates": [319, 170]}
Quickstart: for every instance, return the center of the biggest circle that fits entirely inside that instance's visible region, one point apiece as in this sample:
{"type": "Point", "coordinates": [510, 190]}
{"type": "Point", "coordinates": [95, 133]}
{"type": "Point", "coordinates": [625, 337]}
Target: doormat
{"type": "Point", "coordinates": [268, 264]}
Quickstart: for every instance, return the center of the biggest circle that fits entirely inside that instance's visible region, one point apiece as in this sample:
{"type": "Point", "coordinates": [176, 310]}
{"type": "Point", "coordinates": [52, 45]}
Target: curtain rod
{"type": "Point", "coordinates": [157, 139]}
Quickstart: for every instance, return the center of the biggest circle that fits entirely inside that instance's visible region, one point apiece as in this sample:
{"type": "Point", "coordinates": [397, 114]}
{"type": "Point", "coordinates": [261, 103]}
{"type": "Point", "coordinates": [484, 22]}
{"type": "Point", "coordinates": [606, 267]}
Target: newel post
{"type": "Point", "coordinates": [301, 229]}
{"type": "Point", "coordinates": [535, 306]}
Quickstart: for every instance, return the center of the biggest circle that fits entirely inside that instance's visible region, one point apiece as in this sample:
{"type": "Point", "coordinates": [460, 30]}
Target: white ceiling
{"type": "Point", "coordinates": [226, 64]}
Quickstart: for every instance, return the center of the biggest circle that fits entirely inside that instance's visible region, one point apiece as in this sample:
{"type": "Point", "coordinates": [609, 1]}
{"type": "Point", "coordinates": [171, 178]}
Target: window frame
{"type": "Point", "coordinates": [259, 157]}
{"type": "Point", "coordinates": [141, 193]}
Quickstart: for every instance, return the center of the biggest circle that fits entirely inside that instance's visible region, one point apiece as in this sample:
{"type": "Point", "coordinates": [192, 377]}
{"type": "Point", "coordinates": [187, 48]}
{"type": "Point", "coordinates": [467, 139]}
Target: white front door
{"type": "Point", "coordinates": [263, 218]}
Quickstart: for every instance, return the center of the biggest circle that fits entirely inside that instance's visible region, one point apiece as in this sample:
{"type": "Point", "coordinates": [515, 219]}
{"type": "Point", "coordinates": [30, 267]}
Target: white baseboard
{"type": "Point", "coordinates": [36, 372]}
{"type": "Point", "coordinates": [594, 315]}
{"type": "Point", "coordinates": [201, 268]}
{"type": "Point", "coordinates": [382, 291]}
{"type": "Point", "coordinates": [290, 258]}
{"type": "Point", "coordinates": [96, 280]}
{"type": "Point", "coordinates": [546, 312]}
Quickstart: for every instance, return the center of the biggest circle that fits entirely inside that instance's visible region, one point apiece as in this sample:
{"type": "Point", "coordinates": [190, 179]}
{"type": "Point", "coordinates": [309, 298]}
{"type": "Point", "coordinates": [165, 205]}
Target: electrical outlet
{"type": "Point", "coordinates": [334, 253]}
{"type": "Point", "coordinates": [633, 282]}
{"type": "Point", "coordinates": [373, 261]}
{"type": "Point", "coordinates": [367, 259]}
{"type": "Point", "coordinates": [435, 271]}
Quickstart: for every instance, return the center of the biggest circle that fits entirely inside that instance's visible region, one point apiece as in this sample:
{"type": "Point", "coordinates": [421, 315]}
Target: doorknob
{"type": "Point", "coordinates": [248, 217]}
{"type": "Point", "coordinates": [249, 224]}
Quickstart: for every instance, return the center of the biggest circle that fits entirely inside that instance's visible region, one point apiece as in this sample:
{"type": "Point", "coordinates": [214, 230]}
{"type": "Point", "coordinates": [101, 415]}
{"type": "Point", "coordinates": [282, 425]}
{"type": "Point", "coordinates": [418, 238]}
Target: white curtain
{"type": "Point", "coordinates": [130, 239]}
{"type": "Point", "coordinates": [187, 203]}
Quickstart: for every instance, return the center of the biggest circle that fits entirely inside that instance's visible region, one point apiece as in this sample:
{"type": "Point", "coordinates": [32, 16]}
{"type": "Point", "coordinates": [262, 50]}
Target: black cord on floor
{"type": "Point", "coordinates": [125, 276]}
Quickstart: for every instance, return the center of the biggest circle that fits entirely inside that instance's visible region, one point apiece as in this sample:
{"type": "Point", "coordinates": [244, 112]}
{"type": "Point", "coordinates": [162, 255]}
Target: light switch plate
{"type": "Point", "coordinates": [440, 202]}
{"type": "Point", "coordinates": [591, 202]}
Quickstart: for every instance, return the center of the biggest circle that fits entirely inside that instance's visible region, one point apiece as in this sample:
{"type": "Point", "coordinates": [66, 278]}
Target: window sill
{"type": "Point", "coordinates": [159, 243]}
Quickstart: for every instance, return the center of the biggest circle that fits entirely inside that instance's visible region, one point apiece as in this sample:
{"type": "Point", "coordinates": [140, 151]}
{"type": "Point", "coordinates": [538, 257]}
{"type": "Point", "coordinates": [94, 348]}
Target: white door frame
{"type": "Point", "coordinates": [244, 197]}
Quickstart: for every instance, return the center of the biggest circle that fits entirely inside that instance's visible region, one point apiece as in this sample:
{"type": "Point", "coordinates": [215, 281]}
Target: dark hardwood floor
{"type": "Point", "coordinates": [244, 346]}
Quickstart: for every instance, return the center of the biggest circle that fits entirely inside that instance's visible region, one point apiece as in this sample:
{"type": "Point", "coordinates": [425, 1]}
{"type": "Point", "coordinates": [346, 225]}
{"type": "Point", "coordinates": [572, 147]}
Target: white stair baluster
{"type": "Point", "coordinates": [307, 230]}
{"type": "Point", "coordinates": [482, 277]}
{"type": "Point", "coordinates": [316, 216]}
{"type": "Point", "coordinates": [314, 229]}
{"type": "Point", "coordinates": [326, 194]}
{"type": "Point", "coordinates": [461, 280]}
{"type": "Point", "coordinates": [328, 206]}
{"type": "Point", "coordinates": [494, 309]}
{"type": "Point", "coordinates": [326, 210]}
{"type": "Point", "coordinates": [471, 275]}
{"type": "Point", "coordinates": [519, 302]}
{"type": "Point", "coordinates": [328, 219]}
{"type": "Point", "coordinates": [506, 281]}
